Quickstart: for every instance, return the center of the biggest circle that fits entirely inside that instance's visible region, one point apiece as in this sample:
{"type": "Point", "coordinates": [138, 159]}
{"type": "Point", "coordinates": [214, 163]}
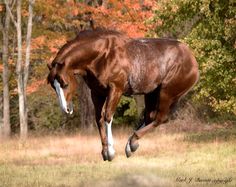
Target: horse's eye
{"type": "Point", "coordinates": [65, 86]}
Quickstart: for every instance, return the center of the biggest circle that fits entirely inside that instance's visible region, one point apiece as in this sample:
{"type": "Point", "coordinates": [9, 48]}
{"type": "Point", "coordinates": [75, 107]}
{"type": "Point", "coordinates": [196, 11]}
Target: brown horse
{"type": "Point", "coordinates": [113, 64]}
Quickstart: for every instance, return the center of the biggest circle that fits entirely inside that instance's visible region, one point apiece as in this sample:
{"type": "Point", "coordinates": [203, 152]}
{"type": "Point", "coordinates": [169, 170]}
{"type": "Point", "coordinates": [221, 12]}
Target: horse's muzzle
{"type": "Point", "coordinates": [69, 108]}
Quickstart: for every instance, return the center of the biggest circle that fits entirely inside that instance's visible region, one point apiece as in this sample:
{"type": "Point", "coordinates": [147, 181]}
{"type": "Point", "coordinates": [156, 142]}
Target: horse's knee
{"type": "Point", "coordinates": [108, 117]}
{"type": "Point", "coordinates": [101, 119]}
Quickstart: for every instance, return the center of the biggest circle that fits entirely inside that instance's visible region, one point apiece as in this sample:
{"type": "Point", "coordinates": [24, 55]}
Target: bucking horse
{"type": "Point", "coordinates": [113, 64]}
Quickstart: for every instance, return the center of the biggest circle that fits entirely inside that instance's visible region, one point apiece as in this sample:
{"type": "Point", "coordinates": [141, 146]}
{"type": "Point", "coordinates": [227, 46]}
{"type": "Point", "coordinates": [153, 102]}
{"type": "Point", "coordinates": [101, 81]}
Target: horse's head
{"type": "Point", "coordinates": [64, 82]}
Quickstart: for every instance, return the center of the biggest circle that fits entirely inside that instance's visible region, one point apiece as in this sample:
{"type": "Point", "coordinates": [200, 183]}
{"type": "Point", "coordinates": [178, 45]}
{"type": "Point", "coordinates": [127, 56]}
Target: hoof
{"type": "Point", "coordinates": [111, 157]}
{"type": "Point", "coordinates": [131, 147]}
{"type": "Point", "coordinates": [111, 154]}
{"type": "Point", "coordinates": [104, 155]}
{"type": "Point", "coordinates": [108, 155]}
{"type": "Point", "coordinates": [134, 146]}
{"type": "Point", "coordinates": [128, 149]}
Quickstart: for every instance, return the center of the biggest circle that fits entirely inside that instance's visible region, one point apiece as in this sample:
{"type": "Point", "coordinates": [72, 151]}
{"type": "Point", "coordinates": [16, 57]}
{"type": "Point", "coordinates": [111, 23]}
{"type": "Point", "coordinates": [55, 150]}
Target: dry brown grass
{"type": "Point", "coordinates": [160, 160]}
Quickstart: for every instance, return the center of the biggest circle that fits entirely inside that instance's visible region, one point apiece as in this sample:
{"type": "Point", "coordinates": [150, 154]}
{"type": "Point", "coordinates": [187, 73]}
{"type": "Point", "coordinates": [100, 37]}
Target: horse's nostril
{"type": "Point", "coordinates": [68, 110]}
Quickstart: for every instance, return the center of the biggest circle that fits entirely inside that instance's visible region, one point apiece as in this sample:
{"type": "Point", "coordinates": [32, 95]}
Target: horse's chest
{"type": "Point", "coordinates": [94, 84]}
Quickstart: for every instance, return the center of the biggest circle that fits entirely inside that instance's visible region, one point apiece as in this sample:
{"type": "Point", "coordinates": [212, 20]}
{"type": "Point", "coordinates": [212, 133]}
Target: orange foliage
{"type": "Point", "coordinates": [55, 44]}
{"type": "Point", "coordinates": [34, 86]}
{"type": "Point", "coordinates": [127, 16]}
{"type": "Point", "coordinates": [38, 42]}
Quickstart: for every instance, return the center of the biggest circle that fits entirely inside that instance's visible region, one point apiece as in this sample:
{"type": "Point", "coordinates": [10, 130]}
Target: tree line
{"type": "Point", "coordinates": [207, 26]}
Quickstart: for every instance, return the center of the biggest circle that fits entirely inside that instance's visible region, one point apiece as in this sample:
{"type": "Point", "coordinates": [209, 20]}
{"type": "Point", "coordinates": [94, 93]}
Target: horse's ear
{"type": "Point", "coordinates": [51, 76]}
{"type": "Point", "coordinates": [51, 65]}
{"type": "Point", "coordinates": [54, 64]}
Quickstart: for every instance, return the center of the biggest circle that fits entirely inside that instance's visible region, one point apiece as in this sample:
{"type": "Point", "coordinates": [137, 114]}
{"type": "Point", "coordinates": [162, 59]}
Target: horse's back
{"type": "Point", "coordinates": [156, 61]}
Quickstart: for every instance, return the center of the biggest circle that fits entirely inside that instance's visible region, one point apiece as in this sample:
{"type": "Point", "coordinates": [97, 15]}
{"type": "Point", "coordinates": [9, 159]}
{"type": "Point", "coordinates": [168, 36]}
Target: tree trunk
{"type": "Point", "coordinates": [25, 73]}
{"type": "Point", "coordinates": [6, 126]}
{"type": "Point", "coordinates": [20, 77]}
{"type": "Point", "coordinates": [139, 99]}
{"type": "Point", "coordinates": [22, 108]}
{"type": "Point", "coordinates": [86, 108]}
{"type": "Point", "coordinates": [1, 117]}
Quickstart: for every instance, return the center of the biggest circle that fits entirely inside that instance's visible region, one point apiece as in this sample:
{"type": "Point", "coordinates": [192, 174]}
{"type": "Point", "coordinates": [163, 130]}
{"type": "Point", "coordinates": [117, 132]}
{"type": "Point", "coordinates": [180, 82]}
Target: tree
{"type": "Point", "coordinates": [6, 126]}
{"type": "Point", "coordinates": [209, 28]}
{"type": "Point", "coordinates": [1, 117]}
{"type": "Point", "coordinates": [86, 108]}
{"type": "Point", "coordinates": [22, 69]}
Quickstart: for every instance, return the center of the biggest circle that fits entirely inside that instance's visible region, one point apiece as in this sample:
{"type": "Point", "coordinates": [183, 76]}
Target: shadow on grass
{"type": "Point", "coordinates": [130, 180]}
{"type": "Point", "coordinates": [227, 134]}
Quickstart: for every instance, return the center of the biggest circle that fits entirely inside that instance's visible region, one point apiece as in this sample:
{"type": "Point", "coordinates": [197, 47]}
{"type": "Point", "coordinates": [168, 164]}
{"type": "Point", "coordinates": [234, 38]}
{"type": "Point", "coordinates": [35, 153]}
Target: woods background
{"type": "Point", "coordinates": [33, 31]}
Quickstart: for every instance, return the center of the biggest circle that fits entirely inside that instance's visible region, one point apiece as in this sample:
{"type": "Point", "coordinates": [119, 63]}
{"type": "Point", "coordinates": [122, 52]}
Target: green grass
{"type": "Point", "coordinates": [162, 160]}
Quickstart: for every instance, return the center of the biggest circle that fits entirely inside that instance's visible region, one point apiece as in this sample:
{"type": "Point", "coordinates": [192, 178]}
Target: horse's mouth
{"type": "Point", "coordinates": [70, 108]}
{"type": "Point", "coordinates": [66, 107]}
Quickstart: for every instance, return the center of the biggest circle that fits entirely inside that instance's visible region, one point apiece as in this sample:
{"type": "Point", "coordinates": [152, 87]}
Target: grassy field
{"type": "Point", "coordinates": [203, 158]}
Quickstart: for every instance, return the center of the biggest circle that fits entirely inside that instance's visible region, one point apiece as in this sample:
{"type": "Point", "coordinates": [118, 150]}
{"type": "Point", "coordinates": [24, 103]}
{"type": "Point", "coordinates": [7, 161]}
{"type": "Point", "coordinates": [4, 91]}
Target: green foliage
{"type": "Point", "coordinates": [45, 114]}
{"type": "Point", "coordinates": [126, 111]}
{"type": "Point", "coordinates": [209, 28]}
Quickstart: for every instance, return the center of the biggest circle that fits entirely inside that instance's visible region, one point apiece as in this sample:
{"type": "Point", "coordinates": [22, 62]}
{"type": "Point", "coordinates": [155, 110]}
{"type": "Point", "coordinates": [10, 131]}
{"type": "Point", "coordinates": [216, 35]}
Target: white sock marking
{"type": "Point", "coordinates": [110, 141]}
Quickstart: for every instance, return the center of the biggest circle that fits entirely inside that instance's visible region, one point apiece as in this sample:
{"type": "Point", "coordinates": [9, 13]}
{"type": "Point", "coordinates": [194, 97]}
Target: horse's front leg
{"type": "Point", "coordinates": [105, 108]}
{"type": "Point", "coordinates": [110, 107]}
{"type": "Point", "coordinates": [99, 106]}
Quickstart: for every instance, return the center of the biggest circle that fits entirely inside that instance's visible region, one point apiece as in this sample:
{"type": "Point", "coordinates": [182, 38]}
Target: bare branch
{"type": "Point", "coordinates": [10, 12]}
{"type": "Point", "coordinates": [28, 41]}
{"type": "Point", "coordinates": [13, 4]}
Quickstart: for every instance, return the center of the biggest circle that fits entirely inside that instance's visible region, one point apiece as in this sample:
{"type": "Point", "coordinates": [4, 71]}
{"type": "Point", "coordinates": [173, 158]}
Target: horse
{"type": "Point", "coordinates": [113, 64]}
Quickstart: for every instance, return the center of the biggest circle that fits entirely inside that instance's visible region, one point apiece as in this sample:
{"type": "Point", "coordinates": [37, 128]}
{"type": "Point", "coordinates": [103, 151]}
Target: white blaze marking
{"type": "Point", "coordinates": [61, 95]}
{"type": "Point", "coordinates": [110, 141]}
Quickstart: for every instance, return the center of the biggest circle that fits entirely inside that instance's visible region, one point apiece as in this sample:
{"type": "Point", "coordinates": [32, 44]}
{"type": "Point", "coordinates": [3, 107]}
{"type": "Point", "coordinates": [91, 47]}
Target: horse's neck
{"type": "Point", "coordinates": [82, 57]}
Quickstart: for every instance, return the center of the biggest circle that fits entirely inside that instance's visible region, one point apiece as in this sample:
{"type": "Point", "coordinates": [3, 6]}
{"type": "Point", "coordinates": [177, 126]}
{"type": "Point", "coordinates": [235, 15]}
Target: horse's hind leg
{"type": "Point", "coordinates": [155, 118]}
{"type": "Point", "coordinates": [151, 104]}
